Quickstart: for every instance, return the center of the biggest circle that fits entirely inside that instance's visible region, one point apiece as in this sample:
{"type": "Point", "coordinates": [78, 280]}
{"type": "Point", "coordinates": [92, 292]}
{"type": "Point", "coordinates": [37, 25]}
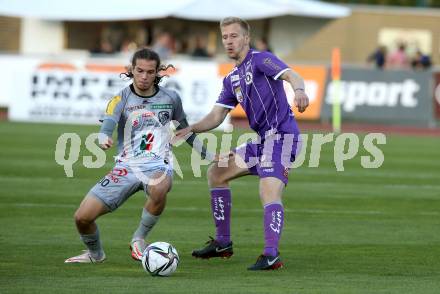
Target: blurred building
{"type": "Point", "coordinates": [286, 24]}
{"type": "Point", "coordinates": [369, 26]}
{"type": "Point", "coordinates": [295, 35]}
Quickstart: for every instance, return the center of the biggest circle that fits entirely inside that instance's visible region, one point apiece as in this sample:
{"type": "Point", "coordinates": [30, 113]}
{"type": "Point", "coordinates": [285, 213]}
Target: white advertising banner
{"type": "Point", "coordinates": [78, 91]}
{"type": "Point", "coordinates": [62, 96]}
{"type": "Point", "coordinates": [199, 85]}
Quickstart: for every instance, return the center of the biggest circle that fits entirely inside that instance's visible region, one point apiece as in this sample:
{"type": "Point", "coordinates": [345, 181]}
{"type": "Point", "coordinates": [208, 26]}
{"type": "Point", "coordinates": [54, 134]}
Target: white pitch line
{"type": "Point", "coordinates": [193, 208]}
{"type": "Point", "coordinates": [246, 183]}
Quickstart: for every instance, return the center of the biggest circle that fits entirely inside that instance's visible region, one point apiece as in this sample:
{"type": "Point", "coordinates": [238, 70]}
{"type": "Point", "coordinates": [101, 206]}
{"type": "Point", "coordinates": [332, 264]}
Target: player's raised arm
{"type": "Point", "coordinates": [301, 100]}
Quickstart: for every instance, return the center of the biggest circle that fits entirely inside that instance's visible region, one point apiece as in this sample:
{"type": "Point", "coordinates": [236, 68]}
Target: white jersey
{"type": "Point", "coordinates": [144, 124]}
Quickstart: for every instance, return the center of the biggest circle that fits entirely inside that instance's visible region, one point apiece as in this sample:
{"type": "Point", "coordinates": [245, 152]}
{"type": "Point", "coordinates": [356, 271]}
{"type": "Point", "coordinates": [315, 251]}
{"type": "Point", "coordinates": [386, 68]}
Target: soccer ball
{"type": "Point", "coordinates": [160, 259]}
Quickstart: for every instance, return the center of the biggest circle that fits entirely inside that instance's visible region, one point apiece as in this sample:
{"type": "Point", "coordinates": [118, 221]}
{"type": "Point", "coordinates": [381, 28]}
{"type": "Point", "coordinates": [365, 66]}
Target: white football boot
{"type": "Point", "coordinates": [86, 257]}
{"type": "Point", "coordinates": [137, 247]}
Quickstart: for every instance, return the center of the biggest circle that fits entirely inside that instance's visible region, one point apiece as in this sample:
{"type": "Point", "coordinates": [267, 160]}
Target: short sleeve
{"type": "Point", "coordinates": [178, 113]}
{"type": "Point", "coordinates": [227, 98]}
{"type": "Point", "coordinates": [270, 65]}
{"type": "Point", "coordinates": [114, 108]}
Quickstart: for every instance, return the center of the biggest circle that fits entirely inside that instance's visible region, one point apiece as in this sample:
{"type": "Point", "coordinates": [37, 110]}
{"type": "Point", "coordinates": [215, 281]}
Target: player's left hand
{"type": "Point", "coordinates": [301, 100]}
{"type": "Point", "coordinates": [107, 144]}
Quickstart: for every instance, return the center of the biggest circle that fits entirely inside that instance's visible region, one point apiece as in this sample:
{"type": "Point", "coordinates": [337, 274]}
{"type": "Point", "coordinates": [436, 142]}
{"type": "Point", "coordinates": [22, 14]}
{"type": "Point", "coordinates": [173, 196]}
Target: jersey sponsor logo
{"type": "Point", "coordinates": [162, 106]}
{"type": "Point", "coordinates": [144, 117]}
{"type": "Point", "coordinates": [112, 104]}
{"type": "Point", "coordinates": [119, 172]}
{"type": "Point", "coordinates": [146, 154]}
{"type": "Point", "coordinates": [269, 63]}
{"type": "Point", "coordinates": [238, 94]}
{"type": "Point", "coordinates": [235, 78]}
{"type": "Point", "coordinates": [135, 107]}
{"type": "Point", "coordinates": [248, 78]}
{"type": "Point", "coordinates": [164, 117]}
{"type": "Point", "coordinates": [147, 142]}
{"type": "Point", "coordinates": [113, 176]}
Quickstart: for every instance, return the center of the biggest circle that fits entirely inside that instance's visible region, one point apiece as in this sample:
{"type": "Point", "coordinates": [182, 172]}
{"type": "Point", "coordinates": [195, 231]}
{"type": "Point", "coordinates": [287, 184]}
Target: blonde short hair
{"type": "Point", "coordinates": [232, 19]}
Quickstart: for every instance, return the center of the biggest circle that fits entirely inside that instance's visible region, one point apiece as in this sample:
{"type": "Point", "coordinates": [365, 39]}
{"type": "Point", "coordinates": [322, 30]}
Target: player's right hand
{"type": "Point", "coordinates": [301, 100]}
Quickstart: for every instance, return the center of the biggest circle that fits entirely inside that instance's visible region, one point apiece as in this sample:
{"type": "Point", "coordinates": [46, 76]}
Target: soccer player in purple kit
{"type": "Point", "coordinates": [256, 82]}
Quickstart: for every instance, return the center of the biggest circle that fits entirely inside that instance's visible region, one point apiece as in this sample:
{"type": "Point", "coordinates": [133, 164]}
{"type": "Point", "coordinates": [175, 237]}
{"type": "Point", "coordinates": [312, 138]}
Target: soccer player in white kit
{"type": "Point", "coordinates": [142, 111]}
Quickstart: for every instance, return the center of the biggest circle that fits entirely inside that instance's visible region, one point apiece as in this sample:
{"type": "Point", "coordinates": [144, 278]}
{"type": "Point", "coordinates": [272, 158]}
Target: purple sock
{"type": "Point", "coordinates": [221, 212]}
{"type": "Point", "coordinates": [273, 226]}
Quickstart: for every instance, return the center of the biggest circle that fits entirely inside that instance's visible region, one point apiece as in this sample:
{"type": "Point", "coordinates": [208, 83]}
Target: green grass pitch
{"type": "Point", "coordinates": [357, 231]}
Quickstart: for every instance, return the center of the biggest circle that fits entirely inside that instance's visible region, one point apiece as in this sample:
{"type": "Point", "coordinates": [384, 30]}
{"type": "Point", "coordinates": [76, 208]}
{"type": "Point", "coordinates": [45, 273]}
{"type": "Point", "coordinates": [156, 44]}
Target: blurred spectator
{"type": "Point", "coordinates": [200, 49]}
{"type": "Point", "coordinates": [262, 45]}
{"type": "Point", "coordinates": [104, 47]}
{"type": "Point", "coordinates": [163, 45]}
{"type": "Point", "coordinates": [128, 46]}
{"type": "Point", "coordinates": [378, 57]}
{"type": "Point", "coordinates": [398, 59]}
{"type": "Point", "coordinates": [421, 61]}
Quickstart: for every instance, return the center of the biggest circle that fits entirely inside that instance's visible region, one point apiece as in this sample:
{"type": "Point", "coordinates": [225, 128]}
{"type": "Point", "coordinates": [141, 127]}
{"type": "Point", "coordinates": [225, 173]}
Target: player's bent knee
{"type": "Point", "coordinates": [211, 171]}
{"type": "Point", "coordinates": [82, 220]}
{"type": "Point", "coordinates": [214, 176]}
{"type": "Point", "coordinates": [158, 196]}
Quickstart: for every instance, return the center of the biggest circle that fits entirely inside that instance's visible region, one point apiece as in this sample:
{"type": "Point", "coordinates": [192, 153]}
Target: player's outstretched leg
{"type": "Point", "coordinates": [221, 246]}
{"type": "Point", "coordinates": [218, 178]}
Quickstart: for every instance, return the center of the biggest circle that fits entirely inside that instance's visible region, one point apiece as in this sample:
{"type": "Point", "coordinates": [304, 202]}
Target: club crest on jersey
{"type": "Point", "coordinates": [238, 94]}
{"type": "Point", "coordinates": [164, 117]}
{"type": "Point", "coordinates": [248, 78]}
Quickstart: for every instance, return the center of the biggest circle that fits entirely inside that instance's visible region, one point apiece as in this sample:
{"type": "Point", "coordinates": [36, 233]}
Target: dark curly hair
{"type": "Point", "coordinates": [146, 54]}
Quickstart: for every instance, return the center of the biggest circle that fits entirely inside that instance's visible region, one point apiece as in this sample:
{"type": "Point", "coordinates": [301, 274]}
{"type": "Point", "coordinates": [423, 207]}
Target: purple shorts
{"type": "Point", "coordinates": [272, 158]}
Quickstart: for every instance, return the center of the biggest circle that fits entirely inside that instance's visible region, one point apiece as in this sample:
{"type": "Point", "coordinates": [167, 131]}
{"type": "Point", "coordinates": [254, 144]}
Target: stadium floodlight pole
{"type": "Point", "coordinates": [336, 90]}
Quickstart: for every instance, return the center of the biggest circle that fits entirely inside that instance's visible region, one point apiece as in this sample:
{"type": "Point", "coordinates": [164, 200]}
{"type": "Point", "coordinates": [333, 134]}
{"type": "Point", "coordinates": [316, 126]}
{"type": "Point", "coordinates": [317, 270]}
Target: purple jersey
{"type": "Point", "coordinates": [255, 85]}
